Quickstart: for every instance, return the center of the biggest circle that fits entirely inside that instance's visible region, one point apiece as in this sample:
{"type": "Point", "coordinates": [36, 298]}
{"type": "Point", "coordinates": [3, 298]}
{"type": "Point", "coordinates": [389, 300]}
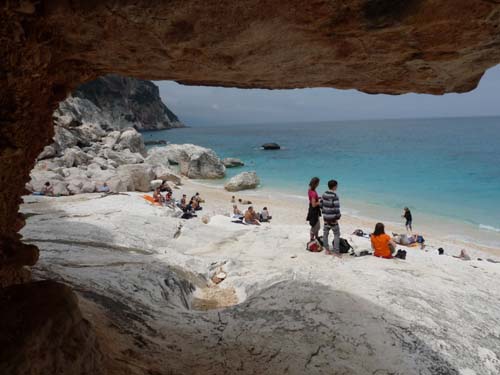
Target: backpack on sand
{"type": "Point", "coordinates": [344, 246]}
{"type": "Point", "coordinates": [314, 246]}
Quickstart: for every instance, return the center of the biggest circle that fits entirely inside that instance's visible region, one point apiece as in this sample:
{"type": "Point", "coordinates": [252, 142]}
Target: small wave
{"type": "Point", "coordinates": [489, 227]}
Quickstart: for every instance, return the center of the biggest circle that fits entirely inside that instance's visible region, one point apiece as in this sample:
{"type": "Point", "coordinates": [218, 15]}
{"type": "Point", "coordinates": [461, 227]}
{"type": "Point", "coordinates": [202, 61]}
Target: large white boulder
{"type": "Point", "coordinates": [136, 177]}
{"type": "Point", "coordinates": [166, 174]}
{"type": "Point", "coordinates": [243, 181]}
{"type": "Point", "coordinates": [132, 140]}
{"type": "Point", "coordinates": [159, 156]}
{"type": "Point", "coordinates": [122, 157]}
{"type": "Point", "coordinates": [74, 157]}
{"type": "Point", "coordinates": [48, 152]}
{"type": "Point", "coordinates": [195, 161]}
{"type": "Point", "coordinates": [111, 138]}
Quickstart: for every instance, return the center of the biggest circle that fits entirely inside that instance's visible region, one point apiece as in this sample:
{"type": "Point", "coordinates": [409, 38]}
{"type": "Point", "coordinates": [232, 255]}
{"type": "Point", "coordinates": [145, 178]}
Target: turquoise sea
{"type": "Point", "coordinates": [446, 170]}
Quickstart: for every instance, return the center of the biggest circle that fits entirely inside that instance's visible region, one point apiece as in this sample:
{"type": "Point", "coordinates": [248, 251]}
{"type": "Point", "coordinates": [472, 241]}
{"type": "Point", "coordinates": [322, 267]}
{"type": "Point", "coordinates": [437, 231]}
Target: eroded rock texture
{"type": "Point", "coordinates": [50, 47]}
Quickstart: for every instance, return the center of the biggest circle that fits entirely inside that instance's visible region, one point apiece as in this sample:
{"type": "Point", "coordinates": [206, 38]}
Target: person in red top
{"type": "Point", "coordinates": [314, 212]}
{"type": "Point", "coordinates": [383, 246]}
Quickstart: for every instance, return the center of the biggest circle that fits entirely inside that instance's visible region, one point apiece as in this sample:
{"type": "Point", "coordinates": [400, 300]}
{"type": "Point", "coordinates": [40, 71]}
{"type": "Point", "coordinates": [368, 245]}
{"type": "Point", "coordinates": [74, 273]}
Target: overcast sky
{"type": "Point", "coordinates": [197, 105]}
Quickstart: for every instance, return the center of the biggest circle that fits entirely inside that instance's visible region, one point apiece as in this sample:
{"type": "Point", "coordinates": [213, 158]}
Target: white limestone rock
{"type": "Point", "coordinates": [136, 177]}
{"type": "Point", "coordinates": [132, 140]}
{"type": "Point", "coordinates": [243, 181]}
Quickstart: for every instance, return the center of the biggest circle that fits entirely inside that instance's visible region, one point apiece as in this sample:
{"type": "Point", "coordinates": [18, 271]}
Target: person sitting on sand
{"type": "Point", "coordinates": [241, 201]}
{"type": "Point", "coordinates": [165, 186]}
{"type": "Point", "coordinates": [382, 244]}
{"type": "Point", "coordinates": [233, 199]}
{"type": "Point", "coordinates": [265, 216]}
{"type": "Point", "coordinates": [104, 188]}
{"type": "Point", "coordinates": [236, 212]}
{"type": "Point", "coordinates": [183, 203]}
{"type": "Point", "coordinates": [251, 216]}
{"type": "Point", "coordinates": [408, 217]}
{"type": "Point", "coordinates": [157, 197]}
{"type": "Point", "coordinates": [195, 204]}
{"type": "Point", "coordinates": [189, 211]}
{"type": "Point", "coordinates": [48, 189]}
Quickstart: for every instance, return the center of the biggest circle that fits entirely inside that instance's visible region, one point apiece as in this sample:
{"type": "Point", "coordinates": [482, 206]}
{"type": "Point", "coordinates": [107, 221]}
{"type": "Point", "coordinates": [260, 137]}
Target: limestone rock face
{"type": "Point", "coordinates": [128, 102]}
{"type": "Point", "coordinates": [243, 181]}
{"type": "Point", "coordinates": [43, 332]}
{"type": "Point", "coordinates": [194, 161]}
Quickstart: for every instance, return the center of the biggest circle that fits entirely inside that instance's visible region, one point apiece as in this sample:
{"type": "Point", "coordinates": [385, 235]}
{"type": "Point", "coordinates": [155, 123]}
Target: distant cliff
{"type": "Point", "coordinates": [129, 102]}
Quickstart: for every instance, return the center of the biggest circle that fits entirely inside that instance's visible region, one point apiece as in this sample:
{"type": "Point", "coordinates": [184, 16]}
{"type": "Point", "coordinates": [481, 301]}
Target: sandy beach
{"type": "Point", "coordinates": [280, 309]}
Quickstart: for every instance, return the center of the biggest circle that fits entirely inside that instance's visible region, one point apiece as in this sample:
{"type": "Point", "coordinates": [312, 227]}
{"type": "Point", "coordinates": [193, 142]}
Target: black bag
{"type": "Point", "coordinates": [344, 246]}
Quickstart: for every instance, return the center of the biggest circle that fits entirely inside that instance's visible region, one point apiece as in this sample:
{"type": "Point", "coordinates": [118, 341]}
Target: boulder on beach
{"type": "Point", "coordinates": [232, 162]}
{"type": "Point", "coordinates": [243, 181]}
{"type": "Point", "coordinates": [271, 146]}
{"type": "Point", "coordinates": [136, 177]}
{"type": "Point", "coordinates": [194, 161]}
{"type": "Point", "coordinates": [166, 174]}
{"type": "Point", "coordinates": [132, 139]}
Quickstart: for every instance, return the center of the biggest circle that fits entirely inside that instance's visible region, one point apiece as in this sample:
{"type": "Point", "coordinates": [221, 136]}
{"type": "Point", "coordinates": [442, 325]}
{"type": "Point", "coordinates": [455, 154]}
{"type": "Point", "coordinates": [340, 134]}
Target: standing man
{"type": "Point", "coordinates": [331, 215]}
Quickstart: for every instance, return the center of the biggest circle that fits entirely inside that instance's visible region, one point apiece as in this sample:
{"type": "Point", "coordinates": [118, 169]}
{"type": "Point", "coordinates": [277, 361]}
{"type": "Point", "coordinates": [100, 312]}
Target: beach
{"type": "Point", "coordinates": [452, 190]}
{"type": "Point", "coordinates": [279, 309]}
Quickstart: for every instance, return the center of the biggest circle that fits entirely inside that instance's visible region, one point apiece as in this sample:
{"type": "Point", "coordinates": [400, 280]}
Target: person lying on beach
{"type": "Point", "coordinates": [251, 216]}
{"type": "Point", "coordinates": [265, 216]}
{"type": "Point", "coordinates": [382, 244]}
{"type": "Point", "coordinates": [158, 198]}
{"type": "Point", "coordinates": [48, 189]}
{"type": "Point", "coordinates": [241, 201]}
{"type": "Point", "coordinates": [463, 255]}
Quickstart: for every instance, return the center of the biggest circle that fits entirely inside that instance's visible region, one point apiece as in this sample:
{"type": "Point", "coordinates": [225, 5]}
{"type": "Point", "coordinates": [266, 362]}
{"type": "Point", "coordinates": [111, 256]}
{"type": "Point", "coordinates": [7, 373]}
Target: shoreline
{"type": "Point", "coordinates": [434, 229]}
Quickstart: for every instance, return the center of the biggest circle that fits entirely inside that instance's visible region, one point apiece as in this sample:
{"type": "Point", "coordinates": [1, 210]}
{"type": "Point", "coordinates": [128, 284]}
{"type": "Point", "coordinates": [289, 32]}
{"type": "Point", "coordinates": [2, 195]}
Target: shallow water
{"type": "Point", "coordinates": [447, 170]}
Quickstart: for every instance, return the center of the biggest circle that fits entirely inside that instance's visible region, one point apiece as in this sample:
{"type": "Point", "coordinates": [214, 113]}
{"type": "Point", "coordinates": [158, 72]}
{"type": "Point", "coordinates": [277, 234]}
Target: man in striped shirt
{"type": "Point", "coordinates": [330, 208]}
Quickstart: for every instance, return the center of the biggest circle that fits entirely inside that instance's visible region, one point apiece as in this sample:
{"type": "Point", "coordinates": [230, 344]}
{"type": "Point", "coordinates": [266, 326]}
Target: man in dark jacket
{"type": "Point", "coordinates": [330, 207]}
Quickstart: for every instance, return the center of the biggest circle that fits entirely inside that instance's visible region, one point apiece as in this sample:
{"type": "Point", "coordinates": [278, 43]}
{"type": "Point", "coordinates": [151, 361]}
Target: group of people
{"type": "Point", "coordinates": [189, 208]}
{"type": "Point", "coordinates": [328, 207]}
{"type": "Point", "coordinates": [251, 216]}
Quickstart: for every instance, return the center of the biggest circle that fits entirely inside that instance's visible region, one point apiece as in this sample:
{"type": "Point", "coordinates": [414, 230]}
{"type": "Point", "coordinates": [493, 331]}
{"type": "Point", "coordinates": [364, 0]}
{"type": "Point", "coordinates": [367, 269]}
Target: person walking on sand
{"type": "Point", "coordinates": [314, 212]}
{"type": "Point", "coordinates": [407, 216]}
{"type": "Point", "coordinates": [330, 208]}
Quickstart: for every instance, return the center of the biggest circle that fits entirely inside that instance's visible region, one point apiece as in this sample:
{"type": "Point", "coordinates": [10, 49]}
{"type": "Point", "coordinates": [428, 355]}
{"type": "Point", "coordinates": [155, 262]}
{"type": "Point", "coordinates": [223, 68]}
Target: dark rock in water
{"type": "Point", "coordinates": [159, 142]}
{"type": "Point", "coordinates": [271, 146]}
{"type": "Point", "coordinates": [232, 163]}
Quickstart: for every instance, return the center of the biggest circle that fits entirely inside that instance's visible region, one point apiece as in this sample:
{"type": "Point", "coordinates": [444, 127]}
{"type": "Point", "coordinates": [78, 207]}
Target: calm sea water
{"type": "Point", "coordinates": [448, 168]}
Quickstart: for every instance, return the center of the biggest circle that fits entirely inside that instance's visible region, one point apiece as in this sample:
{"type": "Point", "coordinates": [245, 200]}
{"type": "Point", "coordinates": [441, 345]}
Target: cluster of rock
{"type": "Point", "coordinates": [84, 158]}
{"type": "Point", "coordinates": [92, 149]}
{"type": "Point", "coordinates": [194, 161]}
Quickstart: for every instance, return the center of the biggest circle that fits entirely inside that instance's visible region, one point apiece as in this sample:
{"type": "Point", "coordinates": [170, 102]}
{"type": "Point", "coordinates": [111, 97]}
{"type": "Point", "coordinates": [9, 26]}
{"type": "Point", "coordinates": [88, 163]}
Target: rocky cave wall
{"type": "Point", "coordinates": [376, 46]}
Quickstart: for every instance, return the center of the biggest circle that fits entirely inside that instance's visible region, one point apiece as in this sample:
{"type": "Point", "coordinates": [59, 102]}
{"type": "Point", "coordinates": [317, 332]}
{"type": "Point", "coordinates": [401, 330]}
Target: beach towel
{"type": "Point", "coordinates": [151, 200]}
